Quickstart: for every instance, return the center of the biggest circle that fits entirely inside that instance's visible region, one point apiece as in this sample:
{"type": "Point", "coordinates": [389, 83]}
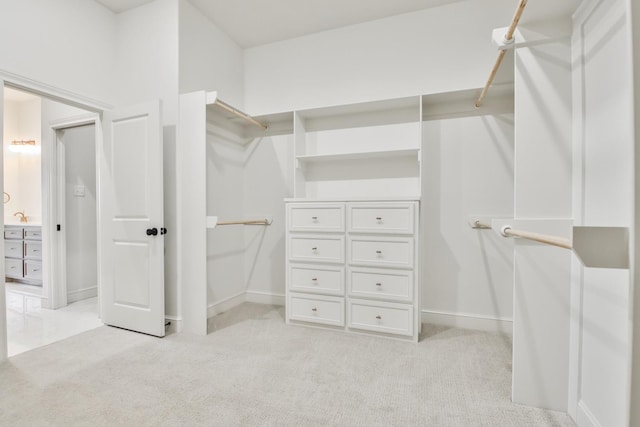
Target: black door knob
{"type": "Point", "coordinates": [152, 231]}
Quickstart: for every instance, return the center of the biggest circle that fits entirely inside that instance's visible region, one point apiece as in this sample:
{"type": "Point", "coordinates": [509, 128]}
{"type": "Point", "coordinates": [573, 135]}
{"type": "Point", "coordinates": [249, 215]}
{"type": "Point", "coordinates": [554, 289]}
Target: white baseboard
{"type": "Point", "coordinates": [468, 321]}
{"type": "Point", "coordinates": [264, 298]}
{"type": "Point", "coordinates": [247, 296]}
{"type": "Point", "coordinates": [81, 294]}
{"type": "Point", "coordinates": [585, 417]}
{"type": "Point", "coordinates": [176, 324]}
{"type": "Point", "coordinates": [226, 304]}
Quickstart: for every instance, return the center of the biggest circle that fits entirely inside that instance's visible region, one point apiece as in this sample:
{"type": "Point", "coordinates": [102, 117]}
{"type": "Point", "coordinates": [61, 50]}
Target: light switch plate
{"type": "Point", "coordinates": [79, 190]}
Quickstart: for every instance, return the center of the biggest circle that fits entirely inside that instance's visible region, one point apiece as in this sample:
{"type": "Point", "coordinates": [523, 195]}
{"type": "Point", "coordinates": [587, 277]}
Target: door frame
{"type": "Point", "coordinates": [16, 81]}
{"type": "Point", "coordinates": [53, 212]}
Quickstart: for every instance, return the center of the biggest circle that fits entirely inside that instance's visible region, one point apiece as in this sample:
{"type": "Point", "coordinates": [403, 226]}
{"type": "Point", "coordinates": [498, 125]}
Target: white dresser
{"type": "Point", "coordinates": [353, 266]}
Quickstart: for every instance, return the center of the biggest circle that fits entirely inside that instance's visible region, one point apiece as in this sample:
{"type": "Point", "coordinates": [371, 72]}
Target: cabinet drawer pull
{"type": "Point", "coordinates": [36, 269]}
{"type": "Point", "coordinates": [314, 248]}
{"type": "Point", "coordinates": [379, 218]}
{"type": "Point", "coordinates": [13, 267]}
{"type": "Point", "coordinates": [314, 279]}
{"type": "Point", "coordinates": [379, 252]}
{"type": "Point", "coordinates": [379, 317]}
{"type": "Point", "coordinates": [314, 218]}
{"type": "Point", "coordinates": [314, 309]}
{"type": "Point", "coordinates": [378, 284]}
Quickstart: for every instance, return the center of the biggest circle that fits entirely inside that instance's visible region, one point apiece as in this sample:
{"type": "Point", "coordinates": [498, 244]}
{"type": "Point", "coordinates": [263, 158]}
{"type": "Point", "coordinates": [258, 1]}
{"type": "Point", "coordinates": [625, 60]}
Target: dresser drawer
{"type": "Point", "coordinates": [33, 233]}
{"type": "Point", "coordinates": [381, 284]}
{"type": "Point", "coordinates": [322, 218]}
{"type": "Point", "coordinates": [33, 270]}
{"type": "Point", "coordinates": [316, 309]}
{"type": "Point", "coordinates": [391, 218]}
{"type": "Point", "coordinates": [316, 248]}
{"type": "Point", "coordinates": [33, 250]}
{"type": "Point", "coordinates": [390, 318]}
{"type": "Point", "coordinates": [381, 251]}
{"type": "Point", "coordinates": [13, 233]}
{"type": "Point", "coordinates": [316, 279]}
{"type": "Point", "coordinates": [13, 268]}
{"type": "Point", "coordinates": [13, 249]}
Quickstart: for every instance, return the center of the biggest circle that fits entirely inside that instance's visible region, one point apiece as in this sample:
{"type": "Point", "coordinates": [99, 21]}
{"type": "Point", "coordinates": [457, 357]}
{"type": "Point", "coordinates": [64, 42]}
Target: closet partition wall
{"type": "Point", "coordinates": [223, 177]}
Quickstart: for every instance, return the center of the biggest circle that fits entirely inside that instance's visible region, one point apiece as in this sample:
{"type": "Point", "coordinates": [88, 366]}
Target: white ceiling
{"type": "Point", "coordinates": [255, 22]}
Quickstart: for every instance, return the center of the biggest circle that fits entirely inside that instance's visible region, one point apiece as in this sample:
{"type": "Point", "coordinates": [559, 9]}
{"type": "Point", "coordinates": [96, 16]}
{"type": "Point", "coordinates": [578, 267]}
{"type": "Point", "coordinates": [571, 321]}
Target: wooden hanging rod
{"type": "Point", "coordinates": [239, 113]}
{"type": "Point", "coordinates": [561, 242]}
{"type": "Point", "coordinates": [508, 37]}
{"type": "Point", "coordinates": [246, 222]}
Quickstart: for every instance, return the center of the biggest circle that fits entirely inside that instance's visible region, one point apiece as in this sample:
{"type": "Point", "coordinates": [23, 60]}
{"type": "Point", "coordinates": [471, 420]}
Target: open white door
{"type": "Point", "coordinates": [131, 233]}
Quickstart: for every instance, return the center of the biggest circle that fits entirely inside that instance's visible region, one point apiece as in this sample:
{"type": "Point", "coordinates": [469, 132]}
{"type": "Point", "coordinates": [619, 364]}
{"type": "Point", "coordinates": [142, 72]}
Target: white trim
{"type": "Point", "coordinates": [3, 302]}
{"type": "Point", "coordinates": [81, 294]}
{"type": "Point", "coordinates": [242, 297]}
{"type": "Point", "coordinates": [468, 321]}
{"type": "Point", "coordinates": [585, 417]}
{"type": "Point", "coordinates": [265, 298]}
{"type": "Point", "coordinates": [73, 121]}
{"type": "Point", "coordinates": [42, 89]}
{"type": "Point", "coordinates": [175, 326]}
{"type": "Point", "coordinates": [225, 304]}
{"type": "Point", "coordinates": [54, 243]}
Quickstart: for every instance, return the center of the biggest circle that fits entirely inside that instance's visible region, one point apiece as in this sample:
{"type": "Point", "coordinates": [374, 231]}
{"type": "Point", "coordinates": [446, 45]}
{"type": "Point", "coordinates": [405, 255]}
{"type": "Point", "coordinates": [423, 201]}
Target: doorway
{"type": "Point", "coordinates": [76, 225]}
{"type": "Point", "coordinates": [50, 179]}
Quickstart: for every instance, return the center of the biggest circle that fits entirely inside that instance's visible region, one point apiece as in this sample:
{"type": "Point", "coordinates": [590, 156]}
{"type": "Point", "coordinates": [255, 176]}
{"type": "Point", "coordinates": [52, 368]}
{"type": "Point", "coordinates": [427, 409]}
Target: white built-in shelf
{"type": "Point", "coordinates": [309, 158]}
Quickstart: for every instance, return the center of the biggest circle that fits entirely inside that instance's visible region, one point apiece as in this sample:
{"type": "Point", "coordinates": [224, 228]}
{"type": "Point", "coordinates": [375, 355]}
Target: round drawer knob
{"type": "Point", "coordinates": [379, 317]}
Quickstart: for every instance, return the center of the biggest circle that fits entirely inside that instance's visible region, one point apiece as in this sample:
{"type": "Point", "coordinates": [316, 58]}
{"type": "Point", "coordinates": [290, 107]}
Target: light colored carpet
{"type": "Point", "coordinates": [253, 370]}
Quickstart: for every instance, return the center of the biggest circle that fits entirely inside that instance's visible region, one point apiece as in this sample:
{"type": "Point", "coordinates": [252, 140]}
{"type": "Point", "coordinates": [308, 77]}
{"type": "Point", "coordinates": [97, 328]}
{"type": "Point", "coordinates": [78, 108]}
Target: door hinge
{"type": "Point", "coordinates": [58, 227]}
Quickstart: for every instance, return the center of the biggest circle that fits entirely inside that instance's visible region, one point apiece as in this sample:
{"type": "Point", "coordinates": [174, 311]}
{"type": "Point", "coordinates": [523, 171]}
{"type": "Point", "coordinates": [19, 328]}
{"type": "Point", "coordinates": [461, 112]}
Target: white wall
{"type": "Point", "coordinates": [209, 59]}
{"type": "Point", "coordinates": [634, 17]}
{"type": "Point", "coordinates": [11, 166]}
{"type": "Point", "coordinates": [80, 211]}
{"type": "Point", "coordinates": [438, 49]}
{"type": "Point", "coordinates": [225, 244]}
{"type": "Point", "coordinates": [70, 44]}
{"type": "Point", "coordinates": [603, 196]}
{"type": "Point", "coordinates": [268, 173]}
{"type": "Point", "coordinates": [23, 172]}
{"type": "Point", "coordinates": [468, 171]}
{"type": "Point", "coordinates": [147, 56]}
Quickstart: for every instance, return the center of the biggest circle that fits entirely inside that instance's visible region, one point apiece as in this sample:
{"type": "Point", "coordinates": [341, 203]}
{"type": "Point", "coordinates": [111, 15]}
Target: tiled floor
{"type": "Point", "coordinates": [30, 326]}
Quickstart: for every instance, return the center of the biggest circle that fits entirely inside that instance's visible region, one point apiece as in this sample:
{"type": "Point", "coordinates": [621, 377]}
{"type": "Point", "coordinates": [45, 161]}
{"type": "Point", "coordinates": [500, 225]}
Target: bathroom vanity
{"type": "Point", "coordinates": [23, 254]}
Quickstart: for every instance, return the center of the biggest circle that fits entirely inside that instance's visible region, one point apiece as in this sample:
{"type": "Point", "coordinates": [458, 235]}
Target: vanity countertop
{"type": "Point", "coordinates": [23, 224]}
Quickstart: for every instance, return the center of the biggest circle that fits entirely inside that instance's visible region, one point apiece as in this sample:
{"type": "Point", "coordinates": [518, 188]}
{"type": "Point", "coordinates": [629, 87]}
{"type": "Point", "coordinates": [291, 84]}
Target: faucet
{"type": "Point", "coordinates": [23, 218]}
